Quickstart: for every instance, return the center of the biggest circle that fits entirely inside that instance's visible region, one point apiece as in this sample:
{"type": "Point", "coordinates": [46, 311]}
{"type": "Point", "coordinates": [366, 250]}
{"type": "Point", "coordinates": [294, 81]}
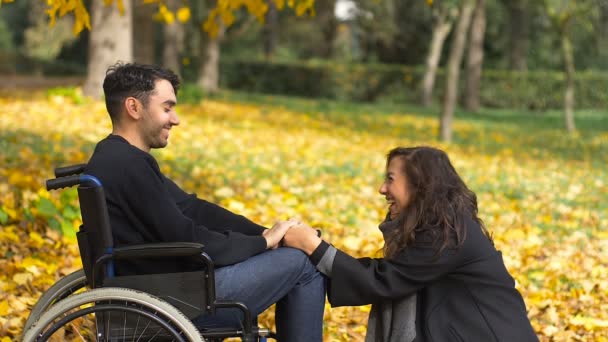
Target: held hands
{"type": "Point", "coordinates": [292, 233]}
{"type": "Point", "coordinates": [275, 234]}
{"type": "Point", "coordinates": [302, 237]}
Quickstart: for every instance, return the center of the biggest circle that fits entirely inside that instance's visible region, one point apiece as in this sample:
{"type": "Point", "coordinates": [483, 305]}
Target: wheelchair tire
{"type": "Point", "coordinates": [63, 288]}
{"type": "Point", "coordinates": [67, 312]}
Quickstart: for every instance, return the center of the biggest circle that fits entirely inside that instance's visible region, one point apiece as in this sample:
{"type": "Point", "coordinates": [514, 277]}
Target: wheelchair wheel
{"type": "Point", "coordinates": [112, 314]}
{"type": "Point", "coordinates": [63, 288]}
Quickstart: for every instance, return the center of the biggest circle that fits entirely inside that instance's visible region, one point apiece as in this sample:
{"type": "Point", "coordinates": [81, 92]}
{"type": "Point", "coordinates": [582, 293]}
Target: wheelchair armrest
{"type": "Point", "coordinates": [158, 250]}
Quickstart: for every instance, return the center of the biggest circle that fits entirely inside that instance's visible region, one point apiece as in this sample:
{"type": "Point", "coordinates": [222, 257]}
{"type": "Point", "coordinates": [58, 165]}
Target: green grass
{"type": "Point", "coordinates": [490, 131]}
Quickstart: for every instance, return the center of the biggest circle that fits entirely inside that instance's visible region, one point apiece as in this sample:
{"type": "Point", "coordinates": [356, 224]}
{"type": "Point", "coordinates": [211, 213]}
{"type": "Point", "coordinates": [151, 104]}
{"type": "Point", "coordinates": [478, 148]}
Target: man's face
{"type": "Point", "coordinates": [159, 116]}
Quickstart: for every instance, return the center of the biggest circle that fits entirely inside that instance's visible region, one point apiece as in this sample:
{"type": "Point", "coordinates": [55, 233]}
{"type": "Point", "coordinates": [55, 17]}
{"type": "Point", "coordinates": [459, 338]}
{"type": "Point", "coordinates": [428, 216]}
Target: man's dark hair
{"type": "Point", "coordinates": [133, 80]}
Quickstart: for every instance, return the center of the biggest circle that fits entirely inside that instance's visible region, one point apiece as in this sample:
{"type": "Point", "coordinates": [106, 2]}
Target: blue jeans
{"type": "Point", "coordinates": [284, 276]}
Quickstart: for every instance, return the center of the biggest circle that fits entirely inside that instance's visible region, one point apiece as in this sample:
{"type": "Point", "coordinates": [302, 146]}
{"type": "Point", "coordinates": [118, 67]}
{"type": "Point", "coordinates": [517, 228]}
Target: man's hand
{"type": "Point", "coordinates": [275, 234]}
{"type": "Point", "coordinates": [302, 237]}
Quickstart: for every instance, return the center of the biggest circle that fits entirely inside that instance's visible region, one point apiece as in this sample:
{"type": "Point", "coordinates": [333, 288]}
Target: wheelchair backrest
{"type": "Point", "coordinates": [193, 292]}
{"type": "Point", "coordinates": [95, 235]}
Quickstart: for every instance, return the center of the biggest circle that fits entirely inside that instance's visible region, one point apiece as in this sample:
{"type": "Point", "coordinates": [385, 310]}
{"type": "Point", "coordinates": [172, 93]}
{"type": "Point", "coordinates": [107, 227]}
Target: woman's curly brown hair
{"type": "Point", "coordinates": [439, 201]}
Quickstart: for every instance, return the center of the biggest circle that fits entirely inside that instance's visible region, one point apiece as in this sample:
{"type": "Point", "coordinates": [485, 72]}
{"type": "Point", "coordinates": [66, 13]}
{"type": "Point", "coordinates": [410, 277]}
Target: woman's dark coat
{"type": "Point", "coordinates": [462, 295]}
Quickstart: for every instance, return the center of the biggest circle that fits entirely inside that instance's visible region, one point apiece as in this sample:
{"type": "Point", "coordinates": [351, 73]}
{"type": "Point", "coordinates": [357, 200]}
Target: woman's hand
{"type": "Point", "coordinates": [275, 234]}
{"type": "Point", "coordinates": [302, 237]}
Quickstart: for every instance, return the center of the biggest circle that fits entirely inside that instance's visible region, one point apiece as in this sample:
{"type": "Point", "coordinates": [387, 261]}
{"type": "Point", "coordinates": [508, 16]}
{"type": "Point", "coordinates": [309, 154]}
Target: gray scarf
{"type": "Point", "coordinates": [392, 320]}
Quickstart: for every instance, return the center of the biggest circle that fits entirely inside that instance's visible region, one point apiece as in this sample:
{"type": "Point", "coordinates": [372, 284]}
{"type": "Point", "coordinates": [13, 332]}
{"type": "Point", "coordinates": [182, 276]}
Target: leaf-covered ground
{"type": "Point", "coordinates": [543, 194]}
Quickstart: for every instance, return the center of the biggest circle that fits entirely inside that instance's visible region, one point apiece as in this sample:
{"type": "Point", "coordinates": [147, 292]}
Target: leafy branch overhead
{"type": "Point", "coordinates": [221, 15]}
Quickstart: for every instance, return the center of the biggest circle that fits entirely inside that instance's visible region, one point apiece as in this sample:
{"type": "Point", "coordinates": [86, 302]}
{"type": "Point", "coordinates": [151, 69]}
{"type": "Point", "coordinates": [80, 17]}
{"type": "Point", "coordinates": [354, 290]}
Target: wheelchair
{"type": "Point", "coordinates": [97, 304]}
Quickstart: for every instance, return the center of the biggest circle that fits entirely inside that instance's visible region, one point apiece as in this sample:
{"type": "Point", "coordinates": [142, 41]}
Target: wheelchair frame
{"type": "Point", "coordinates": [146, 296]}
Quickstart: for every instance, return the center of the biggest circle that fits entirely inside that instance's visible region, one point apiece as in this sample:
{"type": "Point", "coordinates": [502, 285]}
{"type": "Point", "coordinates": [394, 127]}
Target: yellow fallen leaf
{"type": "Point", "coordinates": [9, 234]}
{"type": "Point", "coordinates": [588, 322]}
{"type": "Point", "coordinates": [360, 329]}
{"type": "Point", "coordinates": [4, 308]}
{"type": "Point", "coordinates": [17, 304]}
{"type": "Point", "coordinates": [36, 240]}
{"type": "Point", "coordinates": [236, 206]}
{"type": "Point", "coordinates": [22, 278]}
{"type": "Point", "coordinates": [550, 330]}
{"type": "Point", "coordinates": [224, 192]}
{"type": "Point", "coordinates": [352, 243]}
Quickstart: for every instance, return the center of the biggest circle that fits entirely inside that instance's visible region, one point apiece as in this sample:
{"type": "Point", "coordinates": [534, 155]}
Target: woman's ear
{"type": "Point", "coordinates": [133, 108]}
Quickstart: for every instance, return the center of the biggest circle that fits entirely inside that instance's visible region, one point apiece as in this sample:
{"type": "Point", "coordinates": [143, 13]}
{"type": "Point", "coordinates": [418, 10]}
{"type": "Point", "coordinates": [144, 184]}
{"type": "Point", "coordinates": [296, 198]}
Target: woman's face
{"type": "Point", "coordinates": [396, 187]}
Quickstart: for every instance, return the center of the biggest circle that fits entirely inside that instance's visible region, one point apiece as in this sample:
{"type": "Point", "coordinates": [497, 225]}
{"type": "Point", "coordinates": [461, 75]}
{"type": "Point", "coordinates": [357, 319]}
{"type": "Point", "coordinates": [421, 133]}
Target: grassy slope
{"type": "Point", "coordinates": [542, 193]}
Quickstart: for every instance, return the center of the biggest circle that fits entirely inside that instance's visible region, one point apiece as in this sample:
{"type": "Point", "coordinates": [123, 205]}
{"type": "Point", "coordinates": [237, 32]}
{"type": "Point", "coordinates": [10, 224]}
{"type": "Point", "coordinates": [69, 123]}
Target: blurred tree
{"type": "Point", "coordinates": [173, 34]}
{"type": "Point", "coordinates": [143, 32]}
{"type": "Point", "coordinates": [601, 33]}
{"type": "Point", "coordinates": [562, 14]}
{"type": "Point", "coordinates": [519, 32]}
{"type": "Point", "coordinates": [209, 72]}
{"type": "Point", "coordinates": [443, 16]}
{"type": "Point", "coordinates": [302, 38]}
{"type": "Point", "coordinates": [326, 19]}
{"type": "Point", "coordinates": [112, 31]}
{"type": "Point", "coordinates": [111, 40]}
{"type": "Point", "coordinates": [16, 18]}
{"type": "Point", "coordinates": [475, 57]}
{"type": "Point", "coordinates": [6, 41]}
{"type": "Point", "coordinates": [7, 49]}
{"type": "Point", "coordinates": [222, 16]}
{"type": "Point", "coordinates": [43, 43]}
{"type": "Point", "coordinates": [393, 31]}
{"type": "Point", "coordinates": [453, 69]}
{"type": "Point", "coordinates": [270, 34]}
{"type": "Point", "coordinates": [245, 37]}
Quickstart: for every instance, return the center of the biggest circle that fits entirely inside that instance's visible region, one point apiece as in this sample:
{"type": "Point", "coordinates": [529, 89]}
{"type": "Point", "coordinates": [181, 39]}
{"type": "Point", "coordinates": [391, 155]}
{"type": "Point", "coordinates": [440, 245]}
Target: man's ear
{"type": "Point", "coordinates": [133, 108]}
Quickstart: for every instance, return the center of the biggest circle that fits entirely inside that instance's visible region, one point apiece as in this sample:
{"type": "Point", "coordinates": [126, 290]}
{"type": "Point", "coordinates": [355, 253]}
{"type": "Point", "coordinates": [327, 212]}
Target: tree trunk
{"type": "Point", "coordinates": [569, 79]}
{"type": "Point", "coordinates": [441, 29]}
{"type": "Point", "coordinates": [173, 36]}
{"type": "Point", "coordinates": [173, 46]}
{"type": "Point", "coordinates": [270, 30]}
{"type": "Point", "coordinates": [143, 36]}
{"type": "Point", "coordinates": [110, 41]}
{"type": "Point", "coordinates": [475, 57]}
{"type": "Point", "coordinates": [453, 70]}
{"type": "Point", "coordinates": [326, 19]}
{"type": "Point", "coordinates": [519, 34]}
{"type": "Point", "coordinates": [602, 36]}
{"type": "Point", "coordinates": [209, 74]}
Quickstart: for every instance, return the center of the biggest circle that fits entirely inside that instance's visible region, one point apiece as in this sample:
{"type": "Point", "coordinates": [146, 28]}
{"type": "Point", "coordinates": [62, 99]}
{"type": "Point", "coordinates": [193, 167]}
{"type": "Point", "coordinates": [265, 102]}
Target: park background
{"type": "Point", "coordinates": [288, 109]}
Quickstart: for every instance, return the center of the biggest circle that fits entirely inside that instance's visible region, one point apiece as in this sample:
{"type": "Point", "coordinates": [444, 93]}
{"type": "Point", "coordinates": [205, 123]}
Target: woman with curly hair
{"type": "Point", "coordinates": [441, 278]}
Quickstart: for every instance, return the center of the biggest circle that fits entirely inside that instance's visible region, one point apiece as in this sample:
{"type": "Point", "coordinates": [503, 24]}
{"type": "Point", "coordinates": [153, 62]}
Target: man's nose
{"type": "Point", "coordinates": [175, 120]}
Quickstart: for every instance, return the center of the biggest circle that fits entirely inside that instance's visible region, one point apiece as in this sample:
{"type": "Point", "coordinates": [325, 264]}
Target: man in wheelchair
{"type": "Point", "coordinates": [147, 207]}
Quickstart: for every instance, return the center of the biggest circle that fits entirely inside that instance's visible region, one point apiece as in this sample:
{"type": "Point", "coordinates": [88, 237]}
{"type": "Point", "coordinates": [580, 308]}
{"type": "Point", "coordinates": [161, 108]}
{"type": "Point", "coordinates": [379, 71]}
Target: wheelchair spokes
{"type": "Point", "coordinates": [113, 314]}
